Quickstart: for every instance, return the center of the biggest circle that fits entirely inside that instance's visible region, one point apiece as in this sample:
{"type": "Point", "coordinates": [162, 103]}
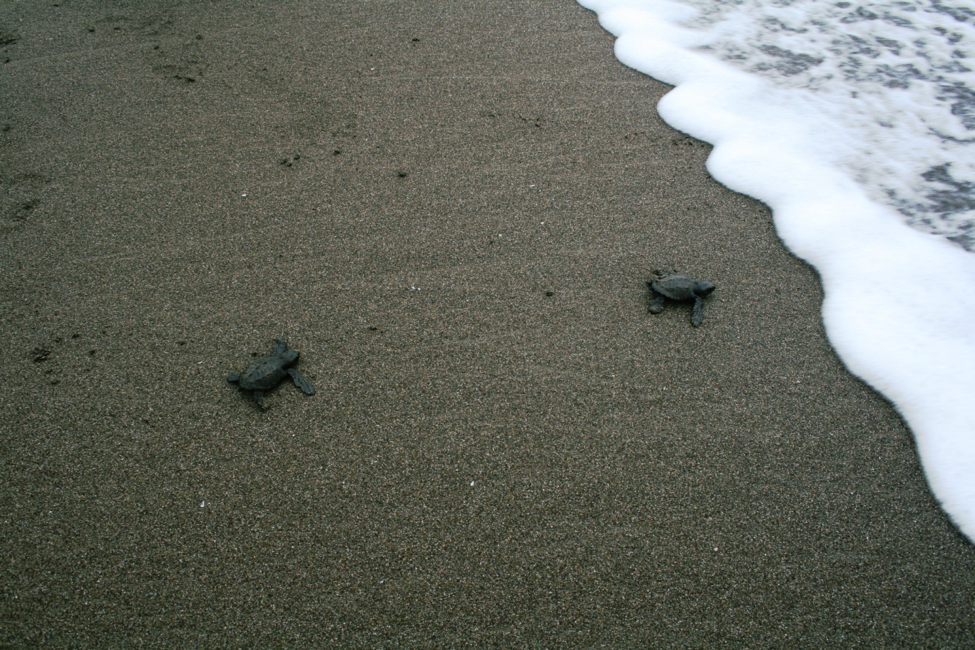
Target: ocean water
{"type": "Point", "coordinates": [855, 123]}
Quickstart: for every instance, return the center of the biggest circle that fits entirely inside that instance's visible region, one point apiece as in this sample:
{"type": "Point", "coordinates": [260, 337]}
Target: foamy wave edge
{"type": "Point", "coordinates": [899, 308]}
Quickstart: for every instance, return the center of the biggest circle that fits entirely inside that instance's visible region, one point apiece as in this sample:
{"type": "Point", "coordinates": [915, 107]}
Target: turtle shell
{"type": "Point", "coordinates": [268, 372]}
{"type": "Point", "coordinates": [676, 287]}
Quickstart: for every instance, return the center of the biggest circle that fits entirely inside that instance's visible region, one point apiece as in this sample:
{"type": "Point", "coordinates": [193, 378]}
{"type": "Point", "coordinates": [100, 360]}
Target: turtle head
{"type": "Point", "coordinates": [289, 358]}
{"type": "Point", "coordinates": [703, 289]}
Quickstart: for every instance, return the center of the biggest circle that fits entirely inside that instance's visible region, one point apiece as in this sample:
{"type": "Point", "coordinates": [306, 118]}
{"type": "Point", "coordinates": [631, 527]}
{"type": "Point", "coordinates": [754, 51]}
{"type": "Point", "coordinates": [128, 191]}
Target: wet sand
{"type": "Point", "coordinates": [450, 210]}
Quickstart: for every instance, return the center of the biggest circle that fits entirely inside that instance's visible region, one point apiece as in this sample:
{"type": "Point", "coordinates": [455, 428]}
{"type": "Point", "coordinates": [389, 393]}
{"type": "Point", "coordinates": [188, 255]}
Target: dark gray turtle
{"type": "Point", "coordinates": [267, 372]}
{"type": "Point", "coordinates": [677, 286]}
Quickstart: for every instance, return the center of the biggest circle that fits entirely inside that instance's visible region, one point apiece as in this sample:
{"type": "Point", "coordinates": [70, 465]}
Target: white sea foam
{"type": "Point", "coordinates": [855, 123]}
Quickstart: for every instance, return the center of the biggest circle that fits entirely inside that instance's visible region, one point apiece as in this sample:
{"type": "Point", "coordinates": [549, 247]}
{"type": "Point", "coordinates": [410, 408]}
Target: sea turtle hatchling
{"type": "Point", "coordinates": [677, 286]}
{"type": "Point", "coordinates": [267, 372]}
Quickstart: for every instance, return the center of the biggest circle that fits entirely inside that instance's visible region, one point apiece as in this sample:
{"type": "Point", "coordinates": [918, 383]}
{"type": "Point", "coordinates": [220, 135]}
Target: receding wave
{"type": "Point", "coordinates": [854, 122]}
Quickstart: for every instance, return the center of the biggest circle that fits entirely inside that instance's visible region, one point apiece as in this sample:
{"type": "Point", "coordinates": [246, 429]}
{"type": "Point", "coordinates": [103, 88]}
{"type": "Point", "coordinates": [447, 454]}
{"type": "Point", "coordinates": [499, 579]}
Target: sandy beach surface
{"type": "Point", "coordinates": [450, 209]}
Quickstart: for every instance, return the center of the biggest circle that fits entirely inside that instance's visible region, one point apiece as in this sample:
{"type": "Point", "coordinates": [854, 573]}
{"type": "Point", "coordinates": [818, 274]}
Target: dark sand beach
{"type": "Point", "coordinates": [450, 209]}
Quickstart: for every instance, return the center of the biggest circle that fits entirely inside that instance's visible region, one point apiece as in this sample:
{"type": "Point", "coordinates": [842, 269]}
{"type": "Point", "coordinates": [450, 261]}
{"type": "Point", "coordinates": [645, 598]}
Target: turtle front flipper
{"type": "Point", "coordinates": [301, 382]}
{"type": "Point", "coordinates": [697, 316]}
{"type": "Point", "coordinates": [656, 300]}
{"type": "Point", "coordinates": [280, 346]}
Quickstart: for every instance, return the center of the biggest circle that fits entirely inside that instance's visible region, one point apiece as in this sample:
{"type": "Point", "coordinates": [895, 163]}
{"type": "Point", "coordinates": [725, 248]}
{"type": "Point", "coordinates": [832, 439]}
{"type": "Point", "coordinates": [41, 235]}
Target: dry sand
{"type": "Point", "coordinates": [450, 209]}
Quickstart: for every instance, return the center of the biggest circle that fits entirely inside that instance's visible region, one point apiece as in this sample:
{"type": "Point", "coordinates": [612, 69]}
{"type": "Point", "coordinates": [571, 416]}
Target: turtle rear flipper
{"type": "Point", "coordinates": [301, 382]}
{"type": "Point", "coordinates": [656, 300]}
